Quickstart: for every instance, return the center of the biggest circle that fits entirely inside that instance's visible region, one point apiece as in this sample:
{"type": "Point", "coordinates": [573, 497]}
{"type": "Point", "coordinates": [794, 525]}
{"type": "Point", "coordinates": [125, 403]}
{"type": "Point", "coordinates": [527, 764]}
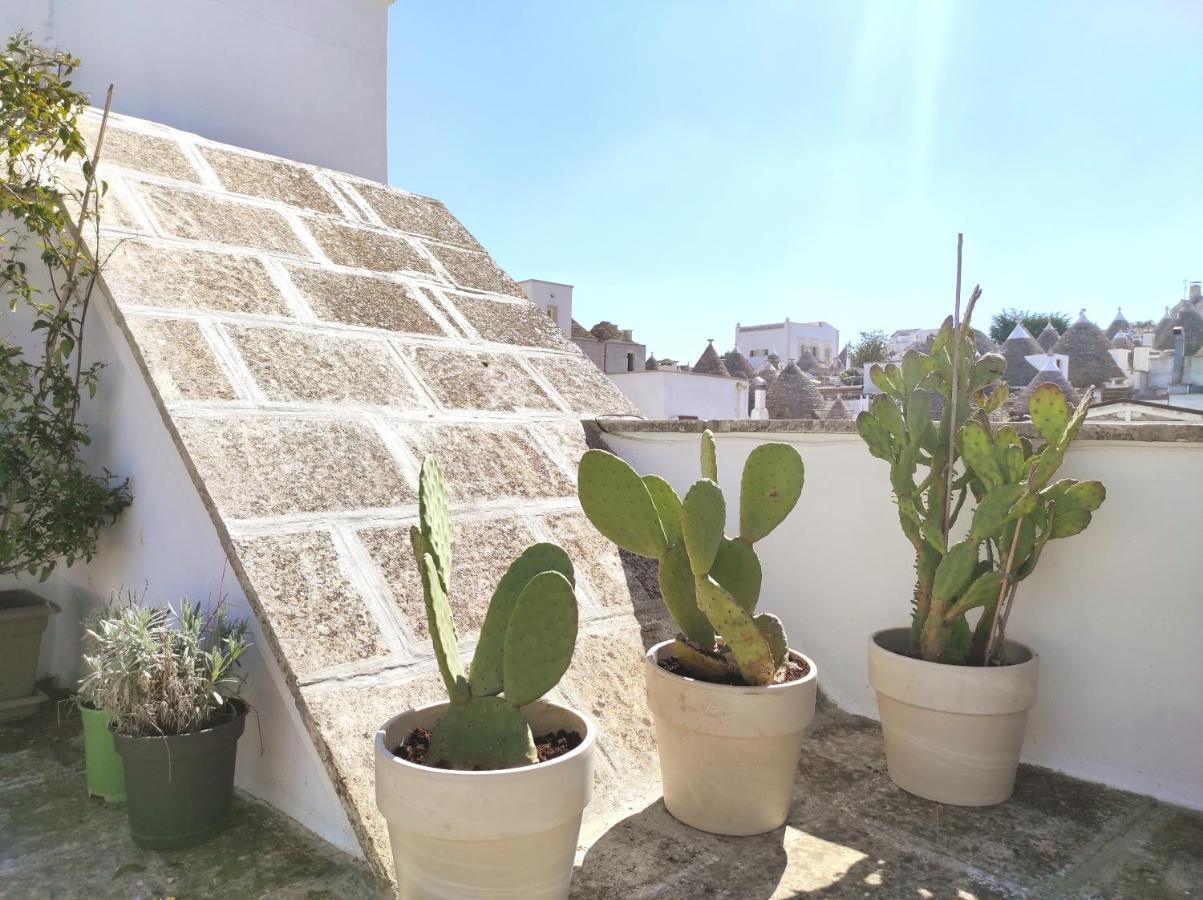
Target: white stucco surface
{"type": "Point", "coordinates": [667, 394]}
{"type": "Point", "coordinates": [165, 544]}
{"type": "Point", "coordinates": [303, 79]}
{"type": "Point", "coordinates": [1114, 612]}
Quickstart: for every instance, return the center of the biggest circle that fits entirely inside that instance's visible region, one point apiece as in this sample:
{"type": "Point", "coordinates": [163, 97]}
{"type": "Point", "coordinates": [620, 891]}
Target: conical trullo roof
{"type": "Point", "coordinates": [710, 363]}
{"type": "Point", "coordinates": [1015, 349]}
{"type": "Point", "coordinates": [737, 364]}
{"type": "Point", "coordinates": [792, 395]}
{"type": "Point", "coordinates": [606, 331]}
{"type": "Point", "coordinates": [1192, 327]}
{"type": "Point", "coordinates": [838, 410]}
{"type": "Point", "coordinates": [1048, 374]}
{"type": "Point", "coordinates": [651, 364]}
{"type": "Point", "coordinates": [1048, 337]}
{"type": "Point", "coordinates": [1122, 341]}
{"type": "Point", "coordinates": [806, 360]}
{"type": "Point", "coordinates": [1118, 324]}
{"type": "Point", "coordinates": [1086, 347]}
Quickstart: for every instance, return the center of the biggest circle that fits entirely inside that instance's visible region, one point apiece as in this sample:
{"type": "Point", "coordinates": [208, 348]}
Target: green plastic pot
{"type": "Point", "coordinates": [106, 776]}
{"type": "Point", "coordinates": [178, 788]}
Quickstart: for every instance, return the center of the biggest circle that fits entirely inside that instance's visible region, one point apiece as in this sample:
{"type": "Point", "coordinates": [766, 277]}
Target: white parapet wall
{"type": "Point", "coordinates": [1114, 613]}
{"type": "Point", "coordinates": [669, 394]}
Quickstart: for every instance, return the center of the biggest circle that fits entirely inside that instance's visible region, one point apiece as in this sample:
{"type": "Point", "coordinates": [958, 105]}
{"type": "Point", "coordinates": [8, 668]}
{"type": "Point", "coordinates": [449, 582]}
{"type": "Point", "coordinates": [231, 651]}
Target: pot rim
{"type": "Point", "coordinates": [585, 747]}
{"type": "Point", "coordinates": [241, 711]}
{"type": "Point", "coordinates": [652, 663]}
{"type": "Point", "coordinates": [874, 641]}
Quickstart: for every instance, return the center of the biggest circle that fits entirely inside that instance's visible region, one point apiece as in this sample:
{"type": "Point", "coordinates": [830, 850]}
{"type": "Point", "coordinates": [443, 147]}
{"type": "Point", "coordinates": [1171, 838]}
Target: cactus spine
{"type": "Point", "coordinates": [525, 644]}
{"type": "Point", "coordinates": [1017, 510]}
{"type": "Point", "coordinates": [710, 582]}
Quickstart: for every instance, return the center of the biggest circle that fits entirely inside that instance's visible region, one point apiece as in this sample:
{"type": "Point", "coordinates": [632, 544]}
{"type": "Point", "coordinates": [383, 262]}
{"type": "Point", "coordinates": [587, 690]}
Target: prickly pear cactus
{"type": "Point", "coordinates": [710, 582]}
{"type": "Point", "coordinates": [525, 644]}
{"type": "Point", "coordinates": [1017, 510]}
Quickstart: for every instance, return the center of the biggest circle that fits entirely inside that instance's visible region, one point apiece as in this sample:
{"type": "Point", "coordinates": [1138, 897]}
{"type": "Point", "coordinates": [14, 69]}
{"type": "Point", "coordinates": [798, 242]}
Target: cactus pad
{"type": "Point", "coordinates": [703, 515]}
{"type": "Point", "coordinates": [482, 733]}
{"type": "Point", "coordinates": [773, 632]}
{"type": "Point", "coordinates": [706, 666]}
{"type": "Point", "coordinates": [737, 569]}
{"type": "Point", "coordinates": [769, 489]}
{"type": "Point", "coordinates": [540, 638]}
{"type": "Point", "coordinates": [617, 502]}
{"type": "Point", "coordinates": [954, 571]}
{"type": "Point", "coordinates": [709, 456]}
{"type": "Point", "coordinates": [1050, 411]}
{"type": "Point", "coordinates": [748, 646]}
{"type": "Point", "coordinates": [668, 506]}
{"type": "Point", "coordinates": [485, 676]}
{"type": "Point", "coordinates": [994, 511]}
{"type": "Point", "coordinates": [442, 632]}
{"type": "Point", "coordinates": [677, 590]}
{"type": "Point", "coordinates": [435, 516]}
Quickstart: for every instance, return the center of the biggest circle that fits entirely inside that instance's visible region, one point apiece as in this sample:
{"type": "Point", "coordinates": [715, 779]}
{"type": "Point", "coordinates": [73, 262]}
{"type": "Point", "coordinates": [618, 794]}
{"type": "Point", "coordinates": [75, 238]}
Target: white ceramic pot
{"type": "Point", "coordinates": [506, 833]}
{"type": "Point", "coordinates": [728, 754]}
{"type": "Point", "coordinates": [952, 733]}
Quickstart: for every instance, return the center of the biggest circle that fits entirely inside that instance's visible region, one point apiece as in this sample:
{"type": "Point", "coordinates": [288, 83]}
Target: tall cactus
{"type": "Point", "coordinates": [1017, 510]}
{"type": "Point", "coordinates": [525, 644]}
{"type": "Point", "coordinates": [710, 582]}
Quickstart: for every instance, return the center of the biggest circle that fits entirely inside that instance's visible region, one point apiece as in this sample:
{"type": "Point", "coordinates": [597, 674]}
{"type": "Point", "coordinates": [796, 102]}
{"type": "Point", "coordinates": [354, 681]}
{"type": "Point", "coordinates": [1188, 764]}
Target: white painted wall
{"type": "Point", "coordinates": [786, 339]}
{"type": "Point", "coordinates": [1115, 612]}
{"type": "Point", "coordinates": [303, 79]}
{"type": "Point", "coordinates": [166, 542]}
{"type": "Point", "coordinates": [548, 294]}
{"type": "Point", "coordinates": [668, 394]}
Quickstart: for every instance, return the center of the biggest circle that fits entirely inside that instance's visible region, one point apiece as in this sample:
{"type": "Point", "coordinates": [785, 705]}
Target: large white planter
{"type": "Point", "coordinates": [728, 754]}
{"type": "Point", "coordinates": [506, 833]}
{"type": "Point", "coordinates": [952, 733]}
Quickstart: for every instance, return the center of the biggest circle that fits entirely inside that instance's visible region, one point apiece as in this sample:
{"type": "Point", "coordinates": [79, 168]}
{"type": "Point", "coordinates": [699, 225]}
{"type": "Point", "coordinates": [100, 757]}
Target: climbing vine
{"type": "Point", "coordinates": [52, 507]}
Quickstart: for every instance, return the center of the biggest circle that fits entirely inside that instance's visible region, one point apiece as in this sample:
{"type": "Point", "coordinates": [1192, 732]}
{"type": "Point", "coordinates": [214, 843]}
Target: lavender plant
{"type": "Point", "coordinates": [525, 646]}
{"type": "Point", "coordinates": [710, 582]}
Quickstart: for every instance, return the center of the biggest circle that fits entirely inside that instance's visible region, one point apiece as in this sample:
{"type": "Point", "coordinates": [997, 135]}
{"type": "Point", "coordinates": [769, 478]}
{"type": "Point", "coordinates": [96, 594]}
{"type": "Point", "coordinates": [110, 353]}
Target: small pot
{"type": "Point", "coordinates": [505, 834]}
{"type": "Point", "coordinates": [106, 775]}
{"type": "Point", "coordinates": [952, 733]}
{"type": "Point", "coordinates": [23, 617]}
{"type": "Point", "coordinates": [179, 787]}
{"type": "Point", "coordinates": [728, 754]}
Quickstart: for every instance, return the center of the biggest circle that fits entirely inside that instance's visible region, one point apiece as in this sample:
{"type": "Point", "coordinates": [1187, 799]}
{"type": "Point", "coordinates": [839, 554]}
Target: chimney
{"type": "Point", "coordinates": [1196, 292]}
{"type": "Point", "coordinates": [1179, 354]}
{"type": "Point", "coordinates": [628, 335]}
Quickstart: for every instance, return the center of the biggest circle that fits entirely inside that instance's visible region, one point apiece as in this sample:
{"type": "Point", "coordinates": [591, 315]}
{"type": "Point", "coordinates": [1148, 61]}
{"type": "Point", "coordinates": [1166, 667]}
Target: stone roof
{"type": "Point", "coordinates": [1122, 341]}
{"type": "Point", "coordinates": [1118, 324]}
{"type": "Point", "coordinates": [606, 331]}
{"type": "Point", "coordinates": [1047, 374]}
{"type": "Point", "coordinates": [838, 410]}
{"type": "Point", "coordinates": [580, 332]}
{"type": "Point", "coordinates": [792, 395]}
{"type": "Point", "coordinates": [1191, 323]}
{"type": "Point", "coordinates": [710, 363]}
{"type": "Point", "coordinates": [308, 336]}
{"type": "Point", "coordinates": [1086, 347]}
{"type": "Point", "coordinates": [651, 364]}
{"type": "Point", "coordinates": [737, 364]}
{"type": "Point", "coordinates": [806, 361]}
{"type": "Point", "coordinates": [1048, 337]}
{"type": "Point", "coordinates": [1018, 346]}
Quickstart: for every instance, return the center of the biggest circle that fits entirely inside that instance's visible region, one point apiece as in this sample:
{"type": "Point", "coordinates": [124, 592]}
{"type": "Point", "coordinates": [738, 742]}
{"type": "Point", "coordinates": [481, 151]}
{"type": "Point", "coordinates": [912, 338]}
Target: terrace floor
{"type": "Point", "coordinates": [851, 834]}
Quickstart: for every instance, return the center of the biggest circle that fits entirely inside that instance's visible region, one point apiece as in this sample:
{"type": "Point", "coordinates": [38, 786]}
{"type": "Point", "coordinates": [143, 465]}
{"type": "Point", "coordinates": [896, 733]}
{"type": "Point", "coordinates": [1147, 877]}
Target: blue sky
{"type": "Point", "coordinates": [688, 165]}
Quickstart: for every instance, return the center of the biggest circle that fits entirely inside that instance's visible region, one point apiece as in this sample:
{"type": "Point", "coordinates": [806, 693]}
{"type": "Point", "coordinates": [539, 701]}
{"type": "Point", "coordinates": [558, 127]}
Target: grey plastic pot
{"type": "Point", "coordinates": [178, 787]}
{"type": "Point", "coordinates": [952, 733]}
{"type": "Point", "coordinates": [23, 617]}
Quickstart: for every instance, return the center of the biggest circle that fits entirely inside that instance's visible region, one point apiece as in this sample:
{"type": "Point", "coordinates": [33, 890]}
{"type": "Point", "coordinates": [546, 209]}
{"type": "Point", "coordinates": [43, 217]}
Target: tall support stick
{"type": "Point", "coordinates": [952, 412]}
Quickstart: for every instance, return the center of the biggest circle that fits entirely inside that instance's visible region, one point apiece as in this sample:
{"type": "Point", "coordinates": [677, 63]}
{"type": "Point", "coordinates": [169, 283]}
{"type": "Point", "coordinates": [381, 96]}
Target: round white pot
{"type": "Point", "coordinates": [506, 833]}
{"type": "Point", "coordinates": [952, 733]}
{"type": "Point", "coordinates": [728, 754]}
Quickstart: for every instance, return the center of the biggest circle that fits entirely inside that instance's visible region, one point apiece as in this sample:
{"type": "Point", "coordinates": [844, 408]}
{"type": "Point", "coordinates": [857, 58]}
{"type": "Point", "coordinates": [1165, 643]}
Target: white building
{"type": "Point", "coordinates": [901, 339]}
{"type": "Point", "coordinates": [787, 340]}
{"type": "Point", "coordinates": [305, 80]}
{"type": "Point", "coordinates": [672, 394]}
{"type": "Point", "coordinates": [553, 298]}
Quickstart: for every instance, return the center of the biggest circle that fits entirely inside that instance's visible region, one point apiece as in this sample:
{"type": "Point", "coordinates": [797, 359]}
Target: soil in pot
{"type": "Point", "coordinates": [793, 670]}
{"type": "Point", "coordinates": [549, 746]}
{"type": "Point", "coordinates": [179, 787]}
{"type": "Point", "coordinates": [106, 774]}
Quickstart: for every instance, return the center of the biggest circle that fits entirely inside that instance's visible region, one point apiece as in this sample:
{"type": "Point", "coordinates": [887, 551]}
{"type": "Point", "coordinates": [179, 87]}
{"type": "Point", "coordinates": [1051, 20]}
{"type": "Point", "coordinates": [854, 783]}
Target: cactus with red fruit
{"type": "Point", "coordinates": [525, 644]}
{"type": "Point", "coordinates": [710, 582]}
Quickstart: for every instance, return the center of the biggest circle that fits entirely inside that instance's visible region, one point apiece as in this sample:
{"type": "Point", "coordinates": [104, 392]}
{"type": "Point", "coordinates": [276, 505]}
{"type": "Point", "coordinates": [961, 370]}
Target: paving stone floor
{"type": "Point", "coordinates": [851, 833]}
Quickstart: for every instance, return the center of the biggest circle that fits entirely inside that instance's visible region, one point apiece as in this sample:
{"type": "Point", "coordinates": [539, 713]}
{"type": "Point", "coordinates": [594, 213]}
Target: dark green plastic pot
{"type": "Point", "coordinates": [178, 788]}
{"type": "Point", "coordinates": [106, 776]}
